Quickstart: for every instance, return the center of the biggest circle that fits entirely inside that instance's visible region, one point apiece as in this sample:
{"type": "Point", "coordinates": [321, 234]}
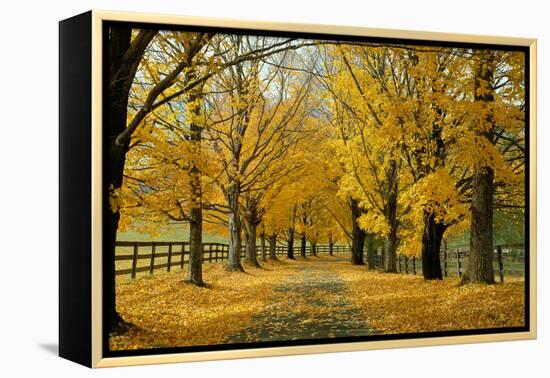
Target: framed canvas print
{"type": "Point", "coordinates": [235, 189]}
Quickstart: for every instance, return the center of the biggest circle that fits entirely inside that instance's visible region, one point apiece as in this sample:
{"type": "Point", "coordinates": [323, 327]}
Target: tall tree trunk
{"type": "Point", "coordinates": [251, 253]}
{"type": "Point", "coordinates": [124, 58]}
{"type": "Point", "coordinates": [290, 244]}
{"type": "Point", "coordinates": [480, 262]}
{"type": "Point", "coordinates": [195, 247]}
{"type": "Point", "coordinates": [330, 246]}
{"type": "Point", "coordinates": [314, 249]}
{"type": "Point", "coordinates": [303, 245]}
{"type": "Point", "coordinates": [195, 212]}
{"type": "Point", "coordinates": [290, 250]}
{"type": "Point", "coordinates": [431, 247]}
{"type": "Point", "coordinates": [262, 244]}
{"type": "Point", "coordinates": [273, 246]}
{"type": "Point", "coordinates": [390, 257]}
{"type": "Point", "coordinates": [371, 251]}
{"type": "Point", "coordinates": [358, 235]}
{"type": "Point", "coordinates": [114, 165]}
{"type": "Point", "coordinates": [234, 225]}
{"type": "Point", "coordinates": [390, 262]}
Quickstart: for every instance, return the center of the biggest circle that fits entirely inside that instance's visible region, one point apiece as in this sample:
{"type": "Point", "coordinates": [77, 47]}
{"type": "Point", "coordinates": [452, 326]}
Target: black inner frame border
{"type": "Point", "coordinates": [106, 25]}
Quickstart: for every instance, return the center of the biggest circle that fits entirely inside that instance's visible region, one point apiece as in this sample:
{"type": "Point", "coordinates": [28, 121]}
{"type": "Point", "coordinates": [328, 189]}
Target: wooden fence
{"type": "Point", "coordinates": [509, 260]}
{"type": "Point", "coordinates": [133, 257]}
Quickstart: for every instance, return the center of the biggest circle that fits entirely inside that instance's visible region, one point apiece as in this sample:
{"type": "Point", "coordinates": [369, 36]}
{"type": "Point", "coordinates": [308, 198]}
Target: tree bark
{"type": "Point", "coordinates": [371, 252]}
{"type": "Point", "coordinates": [251, 253]}
{"type": "Point", "coordinates": [314, 249]}
{"type": "Point", "coordinates": [358, 234]}
{"type": "Point", "coordinates": [480, 262]}
{"type": "Point", "coordinates": [273, 246]}
{"type": "Point", "coordinates": [124, 58]}
{"type": "Point", "coordinates": [390, 257]}
{"type": "Point", "coordinates": [234, 226]}
{"type": "Point", "coordinates": [262, 245]}
{"type": "Point", "coordinates": [195, 212]}
{"type": "Point", "coordinates": [303, 245]}
{"type": "Point", "coordinates": [431, 247]}
{"type": "Point", "coordinates": [331, 247]}
{"type": "Point", "coordinates": [290, 250]}
{"type": "Point", "coordinates": [290, 246]}
{"type": "Point", "coordinates": [390, 261]}
{"type": "Point", "coordinates": [195, 247]}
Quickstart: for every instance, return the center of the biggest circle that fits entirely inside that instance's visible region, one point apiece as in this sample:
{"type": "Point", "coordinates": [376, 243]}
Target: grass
{"type": "Point", "coordinates": [170, 232]}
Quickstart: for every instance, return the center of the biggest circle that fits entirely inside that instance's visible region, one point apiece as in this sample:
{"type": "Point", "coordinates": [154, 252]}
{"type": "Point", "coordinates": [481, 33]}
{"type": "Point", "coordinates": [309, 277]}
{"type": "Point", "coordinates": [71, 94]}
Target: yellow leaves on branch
{"type": "Point", "coordinates": [370, 121]}
{"type": "Point", "coordinates": [374, 222]}
{"type": "Point", "coordinates": [422, 110]}
{"type": "Point", "coordinates": [436, 193]}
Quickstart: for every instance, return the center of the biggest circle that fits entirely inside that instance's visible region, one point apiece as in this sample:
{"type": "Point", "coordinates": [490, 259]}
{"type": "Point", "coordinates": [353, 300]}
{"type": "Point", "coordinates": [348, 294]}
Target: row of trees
{"type": "Point", "coordinates": [432, 139]}
{"type": "Point", "coordinates": [285, 140]}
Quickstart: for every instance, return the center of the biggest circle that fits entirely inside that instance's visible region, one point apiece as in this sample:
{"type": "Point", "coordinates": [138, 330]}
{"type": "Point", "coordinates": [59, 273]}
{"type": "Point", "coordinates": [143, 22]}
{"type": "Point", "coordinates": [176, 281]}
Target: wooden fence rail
{"type": "Point", "coordinates": [134, 257]}
{"type": "Point", "coordinates": [509, 260]}
{"type": "Point", "coordinates": [169, 254]}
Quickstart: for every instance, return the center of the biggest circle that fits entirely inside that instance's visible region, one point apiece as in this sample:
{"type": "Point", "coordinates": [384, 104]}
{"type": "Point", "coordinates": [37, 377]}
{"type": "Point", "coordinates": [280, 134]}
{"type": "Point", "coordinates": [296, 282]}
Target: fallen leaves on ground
{"type": "Point", "coordinates": [169, 312]}
{"type": "Point", "coordinates": [398, 303]}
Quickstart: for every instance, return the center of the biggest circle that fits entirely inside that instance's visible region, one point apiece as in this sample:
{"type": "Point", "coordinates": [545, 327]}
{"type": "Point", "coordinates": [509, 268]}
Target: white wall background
{"type": "Point", "coordinates": [29, 186]}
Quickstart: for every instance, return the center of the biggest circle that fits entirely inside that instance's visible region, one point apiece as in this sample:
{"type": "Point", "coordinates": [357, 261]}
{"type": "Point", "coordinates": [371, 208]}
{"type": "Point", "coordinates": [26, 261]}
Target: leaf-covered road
{"type": "Point", "coordinates": [304, 299]}
{"type": "Point", "coordinates": [311, 303]}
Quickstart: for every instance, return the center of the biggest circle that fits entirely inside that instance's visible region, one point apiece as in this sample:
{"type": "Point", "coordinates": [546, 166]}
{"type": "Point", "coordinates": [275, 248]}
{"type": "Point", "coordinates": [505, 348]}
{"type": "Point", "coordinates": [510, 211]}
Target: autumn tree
{"type": "Point", "coordinates": [428, 112]}
{"type": "Point", "coordinates": [497, 128]}
{"type": "Point", "coordinates": [166, 177]}
{"type": "Point", "coordinates": [367, 147]}
{"type": "Point", "coordinates": [280, 138]}
{"type": "Point", "coordinates": [256, 116]}
{"type": "Point", "coordinates": [169, 57]}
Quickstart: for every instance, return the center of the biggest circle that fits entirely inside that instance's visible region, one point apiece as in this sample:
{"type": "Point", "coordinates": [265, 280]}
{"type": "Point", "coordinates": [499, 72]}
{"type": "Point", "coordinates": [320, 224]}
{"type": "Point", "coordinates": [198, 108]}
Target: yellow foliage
{"type": "Point", "coordinates": [376, 123]}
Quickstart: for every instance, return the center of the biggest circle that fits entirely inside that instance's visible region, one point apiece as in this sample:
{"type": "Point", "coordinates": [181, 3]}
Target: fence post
{"type": "Point", "coordinates": [182, 255]}
{"type": "Point", "coordinates": [134, 260]}
{"type": "Point", "coordinates": [152, 264]}
{"type": "Point", "coordinates": [169, 256]}
{"type": "Point", "coordinates": [406, 265]}
{"type": "Point", "coordinates": [414, 265]}
{"type": "Point", "coordinates": [500, 263]}
{"type": "Point", "coordinates": [458, 265]}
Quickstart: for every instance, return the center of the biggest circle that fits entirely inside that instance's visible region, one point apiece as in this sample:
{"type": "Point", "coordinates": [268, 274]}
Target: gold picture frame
{"type": "Point", "coordinates": [90, 329]}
